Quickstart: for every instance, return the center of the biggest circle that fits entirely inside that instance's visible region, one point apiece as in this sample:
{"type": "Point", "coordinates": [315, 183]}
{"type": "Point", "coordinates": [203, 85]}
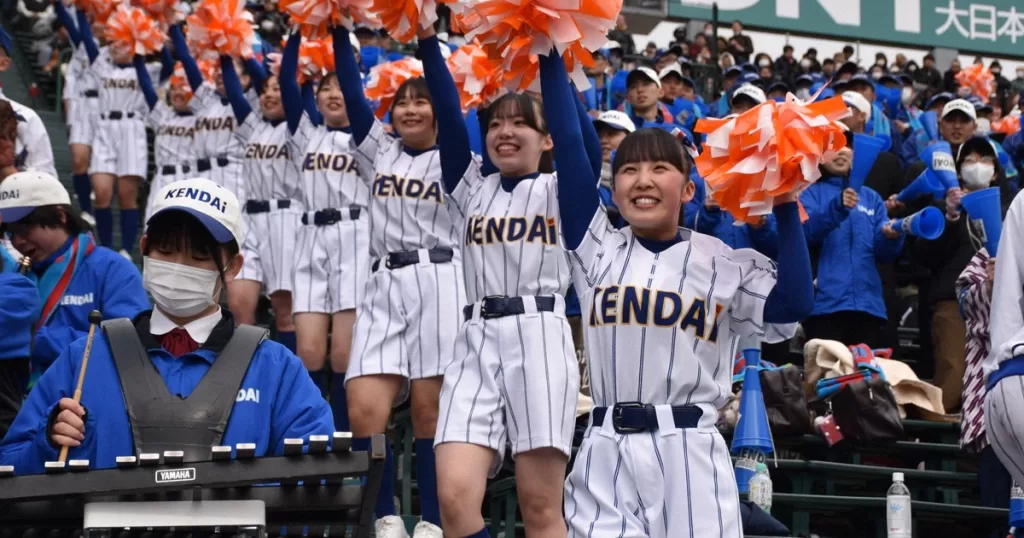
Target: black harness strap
{"type": "Point", "coordinates": [161, 421]}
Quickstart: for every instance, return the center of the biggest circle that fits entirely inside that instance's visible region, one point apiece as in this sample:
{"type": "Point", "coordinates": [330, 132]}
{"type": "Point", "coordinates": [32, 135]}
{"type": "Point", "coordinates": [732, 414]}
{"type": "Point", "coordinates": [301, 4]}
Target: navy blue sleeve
{"type": "Point", "coordinates": [309, 103]}
{"type": "Point", "coordinates": [792, 298]}
{"type": "Point", "coordinates": [145, 84]}
{"type": "Point", "coordinates": [452, 135]}
{"type": "Point", "coordinates": [577, 185]}
{"type": "Point", "coordinates": [233, 87]}
{"type": "Point", "coordinates": [85, 32]}
{"type": "Point", "coordinates": [590, 138]}
{"type": "Point", "coordinates": [351, 81]}
{"type": "Point", "coordinates": [68, 22]}
{"type": "Point", "coordinates": [195, 77]}
{"type": "Point", "coordinates": [166, 64]}
{"type": "Point", "coordinates": [291, 96]}
{"type": "Point", "coordinates": [257, 74]}
{"type": "Point", "coordinates": [483, 122]}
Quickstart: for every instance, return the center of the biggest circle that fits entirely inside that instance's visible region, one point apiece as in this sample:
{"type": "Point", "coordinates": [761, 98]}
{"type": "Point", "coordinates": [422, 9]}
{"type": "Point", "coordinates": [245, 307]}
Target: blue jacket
{"type": "Point", "coordinates": [19, 309]}
{"type": "Point", "coordinates": [722, 224]}
{"type": "Point", "coordinates": [107, 282]}
{"type": "Point", "coordinates": [849, 244]}
{"type": "Point", "coordinates": [277, 400]}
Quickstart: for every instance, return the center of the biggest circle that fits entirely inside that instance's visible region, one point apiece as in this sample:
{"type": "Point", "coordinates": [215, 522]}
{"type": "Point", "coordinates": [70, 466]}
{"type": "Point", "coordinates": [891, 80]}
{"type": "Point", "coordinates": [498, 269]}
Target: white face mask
{"type": "Point", "coordinates": [984, 126]}
{"type": "Point", "coordinates": [805, 63]}
{"type": "Point", "coordinates": [764, 62]}
{"type": "Point", "coordinates": [179, 290]}
{"type": "Point", "coordinates": [977, 176]}
{"type": "Point", "coordinates": [907, 95]}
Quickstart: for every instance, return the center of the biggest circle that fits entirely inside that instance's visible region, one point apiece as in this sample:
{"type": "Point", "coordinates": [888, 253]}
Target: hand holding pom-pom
{"type": "Point", "coordinates": [402, 18]}
{"type": "Point", "coordinates": [133, 29]}
{"type": "Point", "coordinates": [479, 78]}
{"type": "Point", "coordinates": [316, 17]}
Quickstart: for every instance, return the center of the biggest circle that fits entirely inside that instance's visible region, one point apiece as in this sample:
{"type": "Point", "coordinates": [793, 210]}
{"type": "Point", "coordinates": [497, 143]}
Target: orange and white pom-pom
{"type": "Point", "coordinates": [156, 9]}
{"type": "Point", "coordinates": [771, 150]}
{"type": "Point", "coordinates": [316, 17]}
{"type": "Point", "coordinates": [1009, 124]}
{"type": "Point", "coordinates": [316, 58]}
{"type": "Point", "coordinates": [385, 79]}
{"type": "Point", "coordinates": [180, 80]}
{"type": "Point", "coordinates": [402, 18]}
{"type": "Point", "coordinates": [978, 79]}
{"type": "Point", "coordinates": [134, 29]}
{"type": "Point", "coordinates": [208, 68]}
{"type": "Point", "coordinates": [479, 78]}
{"type": "Point", "coordinates": [517, 30]}
{"type": "Point", "coordinates": [222, 26]}
{"type": "Point", "coordinates": [98, 10]}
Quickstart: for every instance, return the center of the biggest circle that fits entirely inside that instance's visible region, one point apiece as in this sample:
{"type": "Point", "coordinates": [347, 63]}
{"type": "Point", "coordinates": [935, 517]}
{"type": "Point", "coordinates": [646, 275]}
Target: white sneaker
{"type": "Point", "coordinates": [89, 219]}
{"type": "Point", "coordinates": [390, 527]}
{"type": "Point", "coordinates": [126, 255]}
{"type": "Point", "coordinates": [427, 530]}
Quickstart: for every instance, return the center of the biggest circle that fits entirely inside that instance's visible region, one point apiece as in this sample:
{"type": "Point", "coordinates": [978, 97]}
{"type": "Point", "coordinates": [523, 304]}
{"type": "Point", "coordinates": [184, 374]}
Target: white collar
{"type": "Point", "coordinates": [198, 329]}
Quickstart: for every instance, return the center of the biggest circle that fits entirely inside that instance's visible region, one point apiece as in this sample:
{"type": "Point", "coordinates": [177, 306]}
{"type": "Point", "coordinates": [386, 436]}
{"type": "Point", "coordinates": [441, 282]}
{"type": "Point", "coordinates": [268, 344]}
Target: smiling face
{"type": "Point", "coordinates": [270, 99]}
{"type": "Point", "coordinates": [651, 183]}
{"type": "Point", "coordinates": [412, 114]}
{"type": "Point", "coordinates": [839, 165]}
{"type": "Point", "coordinates": [331, 102]}
{"type": "Point", "coordinates": [517, 135]}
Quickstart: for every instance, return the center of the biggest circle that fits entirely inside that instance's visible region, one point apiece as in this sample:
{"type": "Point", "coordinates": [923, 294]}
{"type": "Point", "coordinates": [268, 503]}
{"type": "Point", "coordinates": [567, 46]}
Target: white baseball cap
{"type": "Point", "coordinates": [214, 206]}
{"type": "Point", "coordinates": [751, 91]}
{"type": "Point", "coordinates": [859, 102]}
{"type": "Point", "coordinates": [960, 105]}
{"type": "Point", "coordinates": [672, 68]}
{"type": "Point", "coordinates": [616, 120]}
{"type": "Point", "coordinates": [22, 192]}
{"type": "Point", "coordinates": [645, 72]}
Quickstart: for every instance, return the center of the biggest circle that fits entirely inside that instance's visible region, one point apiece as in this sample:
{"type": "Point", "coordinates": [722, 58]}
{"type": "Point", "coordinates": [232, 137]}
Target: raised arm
{"type": "Point", "coordinates": [309, 103]}
{"type": "Point", "coordinates": [166, 64]}
{"type": "Point", "coordinates": [68, 22]}
{"type": "Point", "coordinates": [145, 83]}
{"type": "Point", "coordinates": [577, 184]}
{"type": "Point", "coordinates": [233, 87]}
{"type": "Point", "coordinates": [792, 298]}
{"type": "Point", "coordinates": [257, 74]}
{"type": "Point", "coordinates": [195, 77]}
{"type": "Point", "coordinates": [291, 97]}
{"type": "Point", "coordinates": [85, 32]}
{"type": "Point", "coordinates": [351, 81]}
{"type": "Point", "coordinates": [452, 136]}
{"type": "Point", "coordinates": [590, 138]}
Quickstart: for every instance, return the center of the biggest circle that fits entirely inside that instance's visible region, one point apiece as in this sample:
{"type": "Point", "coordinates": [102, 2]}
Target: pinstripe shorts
{"type": "Point", "coordinates": [269, 247]}
{"type": "Point", "coordinates": [514, 378]}
{"type": "Point", "coordinates": [1004, 423]}
{"type": "Point", "coordinates": [120, 148]}
{"type": "Point", "coordinates": [332, 265]}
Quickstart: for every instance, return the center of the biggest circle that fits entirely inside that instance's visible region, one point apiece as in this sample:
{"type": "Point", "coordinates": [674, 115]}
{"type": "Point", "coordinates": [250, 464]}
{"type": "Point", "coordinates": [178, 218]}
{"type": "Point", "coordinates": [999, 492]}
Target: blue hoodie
{"type": "Point", "coordinates": [849, 244]}
{"type": "Point", "coordinates": [19, 309]}
{"type": "Point", "coordinates": [105, 281]}
{"type": "Point", "coordinates": [722, 224]}
{"type": "Point", "coordinates": [277, 400]}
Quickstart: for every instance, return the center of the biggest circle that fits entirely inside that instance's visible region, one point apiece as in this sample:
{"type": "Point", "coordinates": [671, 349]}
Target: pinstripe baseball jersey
{"type": "Point", "coordinates": [174, 143]}
{"type": "Point", "coordinates": [1008, 291]}
{"type": "Point", "coordinates": [407, 202]}
{"type": "Point", "coordinates": [270, 170]}
{"type": "Point", "coordinates": [659, 326]}
{"type": "Point", "coordinates": [326, 160]}
{"type": "Point", "coordinates": [511, 241]}
{"type": "Point", "coordinates": [215, 126]}
{"type": "Point", "coordinates": [118, 87]}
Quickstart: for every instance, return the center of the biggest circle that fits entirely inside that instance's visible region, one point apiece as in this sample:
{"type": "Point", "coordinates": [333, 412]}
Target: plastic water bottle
{"type": "Point", "coordinates": [897, 506]}
{"type": "Point", "coordinates": [761, 488]}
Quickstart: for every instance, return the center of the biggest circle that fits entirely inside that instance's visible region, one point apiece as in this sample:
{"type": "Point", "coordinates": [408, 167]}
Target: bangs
{"type": "Point", "coordinates": [648, 146]}
{"type": "Point", "coordinates": [414, 88]}
{"type": "Point", "coordinates": [180, 232]}
{"type": "Point", "coordinates": [519, 105]}
{"type": "Point", "coordinates": [328, 80]}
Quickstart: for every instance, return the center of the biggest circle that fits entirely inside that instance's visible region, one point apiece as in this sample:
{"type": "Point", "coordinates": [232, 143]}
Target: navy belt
{"type": "Point", "coordinates": [116, 115]}
{"type": "Point", "coordinates": [398, 260]}
{"type": "Point", "coordinates": [170, 170]}
{"type": "Point", "coordinates": [497, 306]}
{"type": "Point", "coordinates": [205, 165]}
{"type": "Point", "coordinates": [636, 417]}
{"type": "Point", "coordinates": [326, 217]}
{"type": "Point", "coordinates": [91, 93]}
{"type": "Point", "coordinates": [264, 206]}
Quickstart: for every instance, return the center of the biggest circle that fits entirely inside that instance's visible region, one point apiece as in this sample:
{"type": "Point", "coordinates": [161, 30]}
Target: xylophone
{"type": "Point", "coordinates": [301, 493]}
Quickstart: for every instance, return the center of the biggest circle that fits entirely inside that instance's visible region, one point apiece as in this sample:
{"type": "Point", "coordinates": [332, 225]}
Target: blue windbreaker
{"type": "Point", "coordinates": [722, 224]}
{"type": "Point", "coordinates": [849, 244]}
{"type": "Point", "coordinates": [107, 282]}
{"type": "Point", "coordinates": [277, 400]}
{"type": "Point", "coordinates": [19, 309]}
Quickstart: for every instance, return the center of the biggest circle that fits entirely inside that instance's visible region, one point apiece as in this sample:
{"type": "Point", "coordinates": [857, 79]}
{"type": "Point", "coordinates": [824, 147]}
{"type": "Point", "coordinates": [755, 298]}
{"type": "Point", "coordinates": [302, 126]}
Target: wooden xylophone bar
{"type": "Point", "coordinates": [51, 505]}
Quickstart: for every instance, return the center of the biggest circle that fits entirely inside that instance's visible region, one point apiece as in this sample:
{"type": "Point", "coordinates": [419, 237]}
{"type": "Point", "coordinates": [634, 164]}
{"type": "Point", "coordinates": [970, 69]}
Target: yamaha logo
{"type": "Point", "coordinates": [176, 475]}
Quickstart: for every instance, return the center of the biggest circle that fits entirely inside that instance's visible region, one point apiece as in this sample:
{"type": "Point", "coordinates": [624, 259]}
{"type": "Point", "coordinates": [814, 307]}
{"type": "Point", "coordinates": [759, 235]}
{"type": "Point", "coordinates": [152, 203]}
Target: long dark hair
{"type": "Point", "coordinates": [520, 105]}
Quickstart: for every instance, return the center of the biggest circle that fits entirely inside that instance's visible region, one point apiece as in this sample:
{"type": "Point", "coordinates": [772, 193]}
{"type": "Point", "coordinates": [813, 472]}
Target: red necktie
{"type": "Point", "coordinates": [178, 342]}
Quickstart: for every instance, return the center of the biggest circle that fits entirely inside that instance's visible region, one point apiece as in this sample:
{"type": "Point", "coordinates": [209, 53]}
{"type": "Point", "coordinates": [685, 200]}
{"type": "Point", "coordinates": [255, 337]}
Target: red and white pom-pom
{"type": "Point", "coordinates": [516, 31]}
{"type": "Point", "coordinates": [402, 18]}
{"type": "Point", "coordinates": [771, 150]}
{"type": "Point", "coordinates": [157, 9]}
{"type": "Point", "coordinates": [316, 17]}
{"type": "Point", "coordinates": [385, 79]}
{"type": "Point", "coordinates": [479, 78]}
{"type": "Point", "coordinates": [223, 27]}
{"type": "Point", "coordinates": [133, 29]}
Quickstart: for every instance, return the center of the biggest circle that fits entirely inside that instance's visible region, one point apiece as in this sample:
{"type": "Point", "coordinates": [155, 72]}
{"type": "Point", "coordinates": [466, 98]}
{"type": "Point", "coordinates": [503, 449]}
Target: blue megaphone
{"type": "Point", "coordinates": [938, 157]}
{"type": "Point", "coordinates": [865, 152]}
{"type": "Point", "coordinates": [890, 98]}
{"type": "Point", "coordinates": [927, 223]}
{"type": "Point", "coordinates": [985, 207]}
{"type": "Point", "coordinates": [1016, 506]}
{"type": "Point", "coordinates": [930, 122]}
{"type": "Point", "coordinates": [752, 440]}
{"type": "Point", "coordinates": [925, 184]}
{"type": "Point", "coordinates": [370, 56]}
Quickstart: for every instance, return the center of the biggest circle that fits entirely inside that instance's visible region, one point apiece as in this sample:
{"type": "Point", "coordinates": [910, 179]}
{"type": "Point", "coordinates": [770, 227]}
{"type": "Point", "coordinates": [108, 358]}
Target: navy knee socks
{"type": "Point", "coordinates": [287, 339]}
{"type": "Point", "coordinates": [386, 497]}
{"type": "Point", "coordinates": [129, 228]}
{"type": "Point", "coordinates": [104, 226]}
{"type": "Point", "coordinates": [83, 190]}
{"type": "Point", "coordinates": [426, 479]}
